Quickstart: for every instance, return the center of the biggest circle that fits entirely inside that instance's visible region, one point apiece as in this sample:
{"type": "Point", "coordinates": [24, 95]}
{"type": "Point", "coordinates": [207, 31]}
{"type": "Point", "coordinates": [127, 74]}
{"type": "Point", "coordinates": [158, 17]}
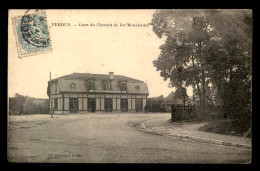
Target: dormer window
{"type": "Point", "coordinates": [72, 85]}
{"type": "Point", "coordinates": [107, 85]}
{"type": "Point", "coordinates": [124, 86]}
{"type": "Point", "coordinates": [91, 85]}
{"type": "Point", "coordinates": [137, 87]}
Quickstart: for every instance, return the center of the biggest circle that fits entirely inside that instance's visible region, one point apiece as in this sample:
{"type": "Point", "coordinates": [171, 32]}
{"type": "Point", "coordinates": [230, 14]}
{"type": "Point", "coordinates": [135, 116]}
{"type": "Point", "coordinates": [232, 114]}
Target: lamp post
{"type": "Point", "coordinates": [50, 98]}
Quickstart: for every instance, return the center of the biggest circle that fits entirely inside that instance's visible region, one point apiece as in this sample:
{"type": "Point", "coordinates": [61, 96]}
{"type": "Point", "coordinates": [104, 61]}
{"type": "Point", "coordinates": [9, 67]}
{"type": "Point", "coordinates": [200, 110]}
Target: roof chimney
{"type": "Point", "coordinates": [111, 75]}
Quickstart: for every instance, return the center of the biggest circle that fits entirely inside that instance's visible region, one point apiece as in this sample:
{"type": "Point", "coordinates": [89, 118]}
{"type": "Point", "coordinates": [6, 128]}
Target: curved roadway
{"type": "Point", "coordinates": [106, 138]}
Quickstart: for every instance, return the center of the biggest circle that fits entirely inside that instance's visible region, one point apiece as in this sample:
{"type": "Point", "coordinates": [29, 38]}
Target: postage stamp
{"type": "Point", "coordinates": [32, 34]}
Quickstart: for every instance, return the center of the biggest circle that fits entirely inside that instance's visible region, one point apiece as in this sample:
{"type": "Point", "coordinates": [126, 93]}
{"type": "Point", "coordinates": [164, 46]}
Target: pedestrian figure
{"type": "Point", "coordinates": [173, 112]}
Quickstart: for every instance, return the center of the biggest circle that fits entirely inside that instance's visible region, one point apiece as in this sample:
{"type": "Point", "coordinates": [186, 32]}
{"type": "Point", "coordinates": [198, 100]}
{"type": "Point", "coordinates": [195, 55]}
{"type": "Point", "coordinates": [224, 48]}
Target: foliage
{"type": "Point", "coordinates": [205, 47]}
{"type": "Point", "coordinates": [181, 93]}
{"type": "Point", "coordinates": [158, 99]}
{"type": "Point", "coordinates": [222, 127]}
{"type": "Point", "coordinates": [26, 105]}
{"type": "Point", "coordinates": [182, 57]}
{"type": "Point", "coordinates": [170, 97]}
{"type": "Point", "coordinates": [230, 61]}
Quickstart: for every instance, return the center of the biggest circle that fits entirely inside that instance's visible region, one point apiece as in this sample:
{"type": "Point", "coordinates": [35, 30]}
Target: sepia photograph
{"type": "Point", "coordinates": [170, 86]}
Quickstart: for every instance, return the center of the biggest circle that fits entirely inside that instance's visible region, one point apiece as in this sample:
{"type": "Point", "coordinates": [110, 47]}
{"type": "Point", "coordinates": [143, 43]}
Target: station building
{"type": "Point", "coordinates": [90, 93]}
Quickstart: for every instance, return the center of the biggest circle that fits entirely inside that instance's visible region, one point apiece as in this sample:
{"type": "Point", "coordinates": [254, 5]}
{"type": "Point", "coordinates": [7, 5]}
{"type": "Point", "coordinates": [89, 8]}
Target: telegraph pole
{"type": "Point", "coordinates": [50, 98]}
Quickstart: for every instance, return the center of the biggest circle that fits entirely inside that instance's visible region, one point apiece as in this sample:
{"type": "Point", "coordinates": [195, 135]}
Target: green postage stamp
{"type": "Point", "coordinates": [32, 34]}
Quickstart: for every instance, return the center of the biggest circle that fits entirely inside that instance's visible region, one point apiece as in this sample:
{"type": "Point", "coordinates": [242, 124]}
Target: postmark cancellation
{"type": "Point", "coordinates": [32, 34]}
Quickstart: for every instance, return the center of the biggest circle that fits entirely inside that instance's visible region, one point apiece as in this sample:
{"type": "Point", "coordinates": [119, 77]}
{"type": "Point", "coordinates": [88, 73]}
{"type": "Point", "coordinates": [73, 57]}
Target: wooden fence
{"type": "Point", "coordinates": [189, 111]}
{"type": "Point", "coordinates": [158, 107]}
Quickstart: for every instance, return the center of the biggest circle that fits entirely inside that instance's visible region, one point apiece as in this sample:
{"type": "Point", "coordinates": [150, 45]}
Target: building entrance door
{"type": "Point", "coordinates": [91, 105]}
{"type": "Point", "coordinates": [138, 105]}
{"type": "Point", "coordinates": [73, 107]}
{"type": "Point", "coordinates": [124, 105]}
{"type": "Point", "coordinates": [108, 105]}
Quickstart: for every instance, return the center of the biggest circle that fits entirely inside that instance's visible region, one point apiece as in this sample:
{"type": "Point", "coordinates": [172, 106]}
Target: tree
{"type": "Point", "coordinates": [158, 99]}
{"type": "Point", "coordinates": [26, 105]}
{"type": "Point", "coordinates": [181, 93]}
{"type": "Point", "coordinates": [170, 97]}
{"type": "Point", "coordinates": [182, 57]}
{"type": "Point", "coordinates": [19, 102]}
{"type": "Point", "coordinates": [230, 59]}
{"type": "Point", "coordinates": [205, 47]}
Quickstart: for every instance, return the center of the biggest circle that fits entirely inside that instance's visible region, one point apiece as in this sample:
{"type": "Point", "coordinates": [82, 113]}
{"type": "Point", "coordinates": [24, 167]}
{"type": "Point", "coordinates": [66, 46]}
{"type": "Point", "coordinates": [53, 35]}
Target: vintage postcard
{"type": "Point", "coordinates": [129, 86]}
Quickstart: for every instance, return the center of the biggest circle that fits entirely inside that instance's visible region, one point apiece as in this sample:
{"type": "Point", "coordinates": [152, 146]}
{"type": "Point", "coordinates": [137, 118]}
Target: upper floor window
{"type": "Point", "coordinates": [108, 85]}
{"type": "Point", "coordinates": [72, 85]}
{"type": "Point", "coordinates": [91, 85]}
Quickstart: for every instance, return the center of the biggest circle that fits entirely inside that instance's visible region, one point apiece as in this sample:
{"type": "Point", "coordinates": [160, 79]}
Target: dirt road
{"type": "Point", "coordinates": [106, 138]}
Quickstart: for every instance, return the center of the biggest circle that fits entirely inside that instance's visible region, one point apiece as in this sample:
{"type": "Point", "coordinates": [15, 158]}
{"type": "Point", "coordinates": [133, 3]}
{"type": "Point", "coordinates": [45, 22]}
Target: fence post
{"type": "Point", "coordinates": [173, 112]}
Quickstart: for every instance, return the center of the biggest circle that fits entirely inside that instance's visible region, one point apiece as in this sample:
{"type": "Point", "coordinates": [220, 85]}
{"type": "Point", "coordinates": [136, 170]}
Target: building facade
{"type": "Point", "coordinates": [90, 93]}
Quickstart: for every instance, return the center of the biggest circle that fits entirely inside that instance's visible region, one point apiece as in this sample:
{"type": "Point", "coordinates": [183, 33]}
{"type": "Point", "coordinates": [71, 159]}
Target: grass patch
{"type": "Point", "coordinates": [222, 127]}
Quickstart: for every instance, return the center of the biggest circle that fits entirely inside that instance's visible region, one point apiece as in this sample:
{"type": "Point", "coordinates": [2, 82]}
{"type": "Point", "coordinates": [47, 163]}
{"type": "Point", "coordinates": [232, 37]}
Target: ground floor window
{"type": "Point", "coordinates": [138, 105]}
{"type": "Point", "coordinates": [73, 105]}
{"type": "Point", "coordinates": [55, 104]}
{"type": "Point", "coordinates": [124, 105]}
{"type": "Point", "coordinates": [108, 105]}
{"type": "Point", "coordinates": [91, 105]}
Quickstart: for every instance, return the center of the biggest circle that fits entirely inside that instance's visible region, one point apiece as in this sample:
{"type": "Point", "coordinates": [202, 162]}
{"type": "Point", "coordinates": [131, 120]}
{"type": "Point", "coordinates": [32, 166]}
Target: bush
{"type": "Point", "coordinates": [201, 114]}
{"type": "Point", "coordinates": [223, 127]}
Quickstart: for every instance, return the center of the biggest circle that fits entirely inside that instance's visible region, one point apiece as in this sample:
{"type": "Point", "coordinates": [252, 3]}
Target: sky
{"type": "Point", "coordinates": [124, 50]}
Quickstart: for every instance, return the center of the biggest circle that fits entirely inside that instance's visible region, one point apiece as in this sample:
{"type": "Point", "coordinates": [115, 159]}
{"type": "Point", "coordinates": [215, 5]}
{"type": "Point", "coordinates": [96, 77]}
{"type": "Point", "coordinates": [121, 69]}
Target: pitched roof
{"type": "Point", "coordinates": [80, 80]}
{"type": "Point", "coordinates": [87, 76]}
{"type": "Point", "coordinates": [80, 85]}
{"type": "Point", "coordinates": [137, 88]}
